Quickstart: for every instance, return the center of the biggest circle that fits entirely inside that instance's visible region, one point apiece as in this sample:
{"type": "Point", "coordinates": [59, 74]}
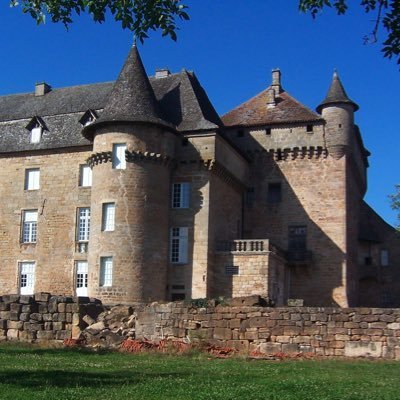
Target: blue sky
{"type": "Point", "coordinates": [232, 47]}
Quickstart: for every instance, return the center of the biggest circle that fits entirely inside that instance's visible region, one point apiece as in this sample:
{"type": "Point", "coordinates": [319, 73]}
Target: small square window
{"type": "Point", "coordinates": [36, 134]}
{"type": "Point", "coordinates": [85, 175]}
{"type": "Point", "coordinates": [268, 131]}
{"type": "Point", "coordinates": [106, 271]}
{"type": "Point", "coordinates": [32, 179]}
{"type": "Point", "coordinates": [108, 220]}
{"type": "Point", "coordinates": [384, 258]}
{"type": "Point", "coordinates": [180, 195]}
{"type": "Point", "coordinates": [118, 156]}
{"type": "Point", "coordinates": [83, 224]}
{"type": "Point", "coordinates": [29, 226]}
{"type": "Point", "coordinates": [310, 128]}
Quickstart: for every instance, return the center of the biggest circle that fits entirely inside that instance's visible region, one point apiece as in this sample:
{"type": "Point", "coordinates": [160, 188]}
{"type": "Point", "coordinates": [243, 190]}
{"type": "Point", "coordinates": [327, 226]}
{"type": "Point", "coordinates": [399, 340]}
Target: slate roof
{"type": "Point", "coordinates": [131, 98]}
{"type": "Point", "coordinates": [179, 102]}
{"type": "Point", "coordinates": [255, 112]}
{"type": "Point", "coordinates": [336, 94]}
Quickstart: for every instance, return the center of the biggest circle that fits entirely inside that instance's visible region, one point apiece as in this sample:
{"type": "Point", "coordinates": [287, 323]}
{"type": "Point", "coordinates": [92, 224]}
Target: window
{"type": "Point", "coordinates": [29, 228]}
{"type": "Point", "coordinates": [118, 156]}
{"type": "Point", "coordinates": [85, 175]}
{"type": "Point", "coordinates": [36, 134]}
{"type": "Point", "coordinates": [309, 128]}
{"type": "Point", "coordinates": [180, 195]}
{"type": "Point", "coordinates": [106, 267]}
{"type": "Point", "coordinates": [231, 270]}
{"type": "Point", "coordinates": [384, 258]}
{"type": "Point", "coordinates": [81, 278]}
{"type": "Point", "coordinates": [297, 238]}
{"type": "Point", "coordinates": [274, 193]}
{"type": "Point", "coordinates": [27, 277]}
{"type": "Point", "coordinates": [268, 131]}
{"type": "Point", "coordinates": [32, 179]}
{"type": "Point", "coordinates": [108, 220]}
{"type": "Point", "coordinates": [83, 224]}
{"type": "Point", "coordinates": [179, 245]}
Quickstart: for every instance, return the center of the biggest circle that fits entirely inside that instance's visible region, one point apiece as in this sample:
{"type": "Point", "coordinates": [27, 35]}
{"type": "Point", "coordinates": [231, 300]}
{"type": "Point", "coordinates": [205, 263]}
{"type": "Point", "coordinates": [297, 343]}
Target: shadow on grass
{"type": "Point", "coordinates": [90, 379]}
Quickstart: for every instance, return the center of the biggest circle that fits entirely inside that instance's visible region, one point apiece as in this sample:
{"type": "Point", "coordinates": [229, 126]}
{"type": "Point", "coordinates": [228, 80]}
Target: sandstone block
{"type": "Point", "coordinates": [62, 335]}
{"type": "Point", "coordinates": [14, 316]}
{"type": "Point", "coordinates": [42, 297]}
{"type": "Point", "coordinates": [222, 333]}
{"type": "Point", "coordinates": [15, 307]}
{"type": "Point", "coordinates": [270, 348]}
{"type": "Point", "coordinates": [290, 348]}
{"type": "Point", "coordinates": [4, 306]}
{"type": "Point", "coordinates": [15, 325]}
{"type": "Point", "coordinates": [26, 299]}
{"type": "Point", "coordinates": [36, 317]}
{"type": "Point", "coordinates": [13, 334]}
{"type": "Point", "coordinates": [45, 335]}
{"type": "Point", "coordinates": [241, 345]}
{"type": "Point", "coordinates": [362, 349]}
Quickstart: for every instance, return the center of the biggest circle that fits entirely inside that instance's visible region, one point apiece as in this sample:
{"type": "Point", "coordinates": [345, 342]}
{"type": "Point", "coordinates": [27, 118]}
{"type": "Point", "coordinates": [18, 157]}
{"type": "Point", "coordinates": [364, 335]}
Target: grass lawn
{"type": "Point", "coordinates": [62, 374]}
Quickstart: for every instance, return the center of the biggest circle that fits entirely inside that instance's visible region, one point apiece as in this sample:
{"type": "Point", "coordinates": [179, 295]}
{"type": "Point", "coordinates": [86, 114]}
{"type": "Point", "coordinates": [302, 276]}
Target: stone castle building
{"type": "Point", "coordinates": [136, 190]}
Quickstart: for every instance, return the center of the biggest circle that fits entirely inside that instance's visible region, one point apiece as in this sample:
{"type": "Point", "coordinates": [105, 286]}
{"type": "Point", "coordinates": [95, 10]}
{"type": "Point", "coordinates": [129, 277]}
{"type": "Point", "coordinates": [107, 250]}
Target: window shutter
{"type": "Point", "coordinates": [185, 194]}
{"type": "Point", "coordinates": [183, 245]}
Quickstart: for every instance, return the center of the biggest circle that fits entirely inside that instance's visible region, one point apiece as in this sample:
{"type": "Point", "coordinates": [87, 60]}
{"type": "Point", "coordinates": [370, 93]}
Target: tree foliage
{"type": "Point", "coordinates": [139, 16]}
{"type": "Point", "coordinates": [386, 15]}
{"type": "Point", "coordinates": [395, 203]}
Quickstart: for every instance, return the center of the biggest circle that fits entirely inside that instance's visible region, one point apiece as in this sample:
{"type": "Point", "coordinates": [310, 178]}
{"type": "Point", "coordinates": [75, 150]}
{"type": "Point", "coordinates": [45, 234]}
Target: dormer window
{"type": "Point", "coordinates": [36, 127]}
{"type": "Point", "coordinates": [88, 118]}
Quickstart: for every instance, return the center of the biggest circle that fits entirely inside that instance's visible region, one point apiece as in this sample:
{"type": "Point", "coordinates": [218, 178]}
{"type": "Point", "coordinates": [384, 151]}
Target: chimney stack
{"type": "Point", "coordinates": [271, 102]}
{"type": "Point", "coordinates": [42, 88]}
{"type": "Point", "coordinates": [162, 73]}
{"type": "Point", "coordinates": [276, 80]}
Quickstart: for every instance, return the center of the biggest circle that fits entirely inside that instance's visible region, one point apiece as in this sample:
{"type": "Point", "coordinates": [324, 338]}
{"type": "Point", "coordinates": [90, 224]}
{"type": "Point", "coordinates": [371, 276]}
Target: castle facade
{"type": "Point", "coordinates": [136, 191]}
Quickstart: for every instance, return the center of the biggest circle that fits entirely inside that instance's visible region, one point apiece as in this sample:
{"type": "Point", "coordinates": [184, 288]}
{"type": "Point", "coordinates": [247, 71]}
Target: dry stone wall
{"type": "Point", "coordinates": [42, 317]}
{"type": "Point", "coordinates": [335, 332]}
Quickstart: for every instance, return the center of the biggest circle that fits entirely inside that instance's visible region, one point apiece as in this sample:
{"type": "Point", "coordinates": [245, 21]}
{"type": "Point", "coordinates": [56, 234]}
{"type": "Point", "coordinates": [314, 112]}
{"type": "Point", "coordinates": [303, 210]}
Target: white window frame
{"type": "Point", "coordinates": [181, 195]}
{"type": "Point", "coordinates": [36, 134]}
{"type": "Point", "coordinates": [85, 175]}
{"type": "Point", "coordinates": [81, 280]}
{"type": "Point", "coordinates": [26, 277]}
{"type": "Point", "coordinates": [83, 224]}
{"type": "Point", "coordinates": [179, 240]}
{"type": "Point", "coordinates": [32, 179]}
{"type": "Point", "coordinates": [108, 217]}
{"type": "Point", "coordinates": [118, 156]}
{"type": "Point", "coordinates": [106, 271]}
{"type": "Point", "coordinates": [29, 226]}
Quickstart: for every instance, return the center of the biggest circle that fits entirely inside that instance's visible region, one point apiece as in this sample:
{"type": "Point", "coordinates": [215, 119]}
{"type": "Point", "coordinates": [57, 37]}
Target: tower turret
{"type": "Point", "coordinates": [132, 149]}
{"type": "Point", "coordinates": [338, 111]}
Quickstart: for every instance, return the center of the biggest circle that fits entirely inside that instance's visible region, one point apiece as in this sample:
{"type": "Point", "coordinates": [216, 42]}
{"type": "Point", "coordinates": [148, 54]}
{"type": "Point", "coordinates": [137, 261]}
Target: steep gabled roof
{"type": "Point", "coordinates": [256, 111]}
{"type": "Point", "coordinates": [336, 95]}
{"type": "Point", "coordinates": [187, 105]}
{"type": "Point", "coordinates": [131, 99]}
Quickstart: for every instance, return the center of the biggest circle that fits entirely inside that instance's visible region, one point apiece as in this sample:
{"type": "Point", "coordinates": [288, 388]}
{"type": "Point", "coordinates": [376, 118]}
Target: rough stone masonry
{"type": "Point", "coordinates": [334, 332]}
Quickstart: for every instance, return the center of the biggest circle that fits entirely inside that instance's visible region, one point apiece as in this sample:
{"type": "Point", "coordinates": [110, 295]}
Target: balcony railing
{"type": "Point", "coordinates": [242, 246]}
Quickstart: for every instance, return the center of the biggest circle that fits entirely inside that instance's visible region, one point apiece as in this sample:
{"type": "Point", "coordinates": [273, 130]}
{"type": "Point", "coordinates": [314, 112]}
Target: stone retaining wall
{"type": "Point", "coordinates": [43, 317]}
{"type": "Point", "coordinates": [349, 332]}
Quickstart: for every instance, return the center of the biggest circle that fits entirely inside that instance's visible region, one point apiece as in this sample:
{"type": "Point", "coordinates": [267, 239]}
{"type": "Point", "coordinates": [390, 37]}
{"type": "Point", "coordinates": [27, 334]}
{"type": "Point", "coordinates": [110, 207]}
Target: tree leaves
{"type": "Point", "coordinates": [138, 16]}
{"type": "Point", "coordinates": [387, 16]}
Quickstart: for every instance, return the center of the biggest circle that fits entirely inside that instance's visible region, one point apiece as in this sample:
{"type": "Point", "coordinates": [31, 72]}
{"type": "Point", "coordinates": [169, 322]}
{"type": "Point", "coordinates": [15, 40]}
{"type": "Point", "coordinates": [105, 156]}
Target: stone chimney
{"type": "Point", "coordinates": [42, 88]}
{"type": "Point", "coordinates": [162, 73]}
{"type": "Point", "coordinates": [276, 80]}
{"type": "Point", "coordinates": [270, 94]}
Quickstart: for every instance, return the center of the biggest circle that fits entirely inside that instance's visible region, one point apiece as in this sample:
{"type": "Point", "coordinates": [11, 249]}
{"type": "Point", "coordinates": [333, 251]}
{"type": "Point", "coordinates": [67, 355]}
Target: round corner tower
{"type": "Point", "coordinates": [133, 148]}
{"type": "Point", "coordinates": [338, 111]}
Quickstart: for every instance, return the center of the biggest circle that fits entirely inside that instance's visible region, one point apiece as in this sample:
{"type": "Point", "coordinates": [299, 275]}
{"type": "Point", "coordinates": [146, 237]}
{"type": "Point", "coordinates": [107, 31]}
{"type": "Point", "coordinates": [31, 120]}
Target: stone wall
{"type": "Point", "coordinates": [44, 318]}
{"type": "Point", "coordinates": [349, 332]}
{"type": "Point", "coordinates": [333, 332]}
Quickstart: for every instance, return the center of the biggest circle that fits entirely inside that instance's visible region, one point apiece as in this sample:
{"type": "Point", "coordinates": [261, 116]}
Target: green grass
{"type": "Point", "coordinates": [62, 374]}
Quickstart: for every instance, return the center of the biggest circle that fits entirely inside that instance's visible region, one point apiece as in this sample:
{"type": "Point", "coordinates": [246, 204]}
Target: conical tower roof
{"type": "Point", "coordinates": [131, 99]}
{"type": "Point", "coordinates": [336, 94]}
